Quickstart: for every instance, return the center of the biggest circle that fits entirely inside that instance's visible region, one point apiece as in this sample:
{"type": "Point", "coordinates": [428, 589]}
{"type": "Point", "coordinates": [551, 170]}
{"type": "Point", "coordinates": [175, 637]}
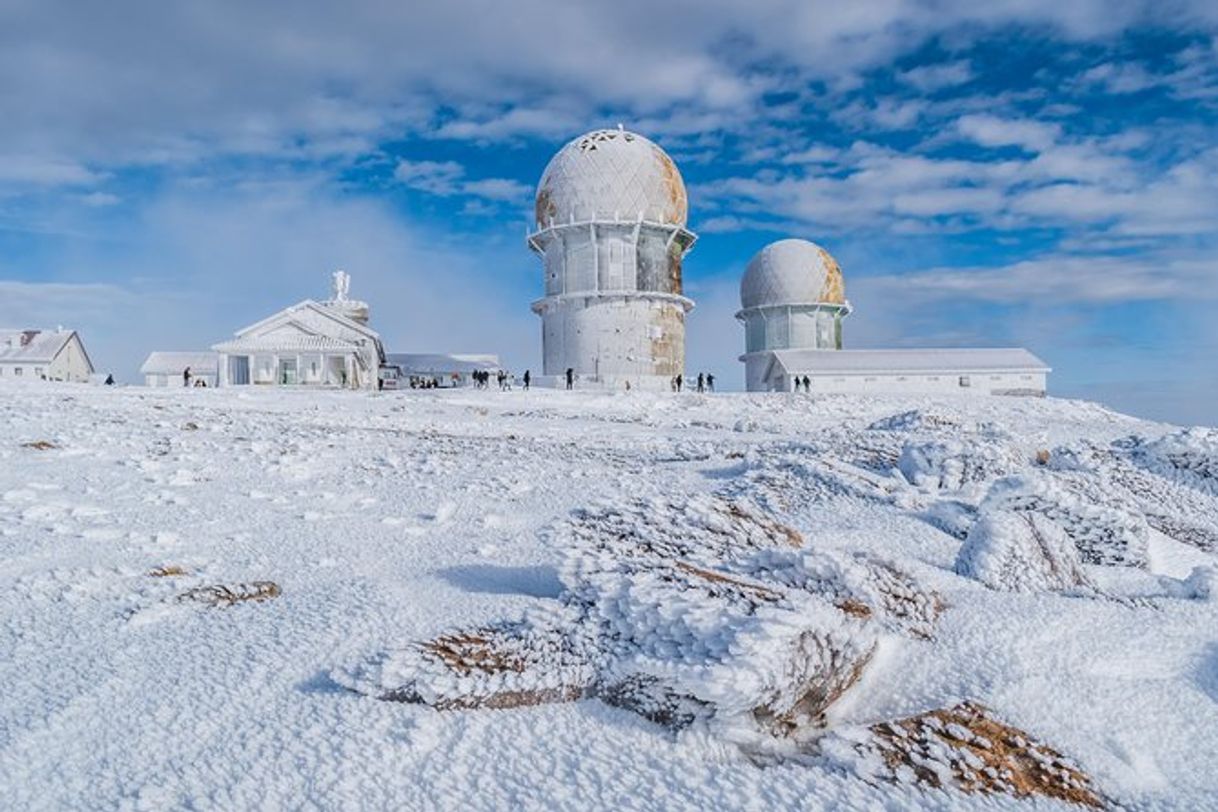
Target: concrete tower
{"type": "Point", "coordinates": [792, 297]}
{"type": "Point", "coordinates": [610, 214]}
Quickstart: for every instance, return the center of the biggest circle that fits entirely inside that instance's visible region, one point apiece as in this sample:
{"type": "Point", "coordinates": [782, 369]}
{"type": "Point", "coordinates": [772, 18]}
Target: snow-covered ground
{"type": "Point", "coordinates": [1082, 610]}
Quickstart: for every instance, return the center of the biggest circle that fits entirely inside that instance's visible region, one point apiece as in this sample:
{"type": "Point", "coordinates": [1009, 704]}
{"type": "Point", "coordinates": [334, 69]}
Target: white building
{"type": "Point", "coordinates": [52, 355]}
{"type": "Point", "coordinates": [610, 213]}
{"type": "Point", "coordinates": [168, 368]}
{"type": "Point", "coordinates": [308, 344]}
{"type": "Point", "coordinates": [793, 301]}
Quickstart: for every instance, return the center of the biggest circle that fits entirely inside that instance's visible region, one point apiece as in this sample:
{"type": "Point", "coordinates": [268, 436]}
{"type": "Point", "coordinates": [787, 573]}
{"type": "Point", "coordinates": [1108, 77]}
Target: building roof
{"type": "Point", "coordinates": [316, 307]}
{"type": "Point", "coordinates": [847, 362]}
{"type": "Point", "coordinates": [440, 363]}
{"type": "Point", "coordinates": [611, 175]}
{"type": "Point", "coordinates": [32, 346]}
{"type": "Point", "coordinates": [172, 363]}
{"type": "Point", "coordinates": [290, 343]}
{"type": "Point", "coordinates": [792, 272]}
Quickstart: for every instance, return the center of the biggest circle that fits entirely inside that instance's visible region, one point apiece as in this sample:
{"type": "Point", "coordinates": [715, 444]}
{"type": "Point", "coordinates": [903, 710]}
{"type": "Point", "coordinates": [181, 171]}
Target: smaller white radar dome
{"type": "Point", "coordinates": [790, 272]}
{"type": "Point", "coordinates": [611, 175]}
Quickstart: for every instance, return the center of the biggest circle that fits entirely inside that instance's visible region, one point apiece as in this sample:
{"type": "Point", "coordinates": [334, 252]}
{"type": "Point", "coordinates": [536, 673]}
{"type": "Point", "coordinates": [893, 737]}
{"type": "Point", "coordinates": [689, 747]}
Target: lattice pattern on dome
{"type": "Point", "coordinates": [589, 141]}
{"type": "Point", "coordinates": [792, 272]}
{"type": "Point", "coordinates": [611, 175]}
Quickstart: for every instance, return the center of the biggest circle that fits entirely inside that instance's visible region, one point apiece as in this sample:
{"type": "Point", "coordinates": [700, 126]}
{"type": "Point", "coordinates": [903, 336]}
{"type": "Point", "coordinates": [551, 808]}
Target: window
{"type": "Point", "coordinates": [37, 372]}
{"type": "Point", "coordinates": [964, 381]}
{"type": "Point", "coordinates": [17, 371]}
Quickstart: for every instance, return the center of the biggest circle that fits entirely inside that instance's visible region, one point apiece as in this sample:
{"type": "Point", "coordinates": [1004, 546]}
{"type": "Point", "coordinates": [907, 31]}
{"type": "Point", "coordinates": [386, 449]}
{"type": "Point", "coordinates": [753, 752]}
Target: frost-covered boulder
{"type": "Point", "coordinates": [787, 484]}
{"type": "Point", "coordinates": [701, 611]}
{"type": "Point", "coordinates": [951, 465]}
{"type": "Point", "coordinates": [1020, 551]}
{"type": "Point", "coordinates": [695, 623]}
{"type": "Point", "coordinates": [1192, 452]}
{"type": "Point", "coordinates": [545, 657]}
{"type": "Point", "coordinates": [965, 748]}
{"type": "Point", "coordinates": [1103, 533]}
{"type": "Point", "coordinates": [917, 420]}
{"type": "Point", "coordinates": [952, 516]}
{"type": "Point", "coordinates": [1122, 476]}
{"type": "Point", "coordinates": [1201, 584]}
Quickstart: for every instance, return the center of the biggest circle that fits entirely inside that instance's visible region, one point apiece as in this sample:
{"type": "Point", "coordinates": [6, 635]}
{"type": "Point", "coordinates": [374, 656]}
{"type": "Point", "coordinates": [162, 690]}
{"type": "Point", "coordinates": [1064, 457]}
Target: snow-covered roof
{"type": "Point", "coordinates": [285, 343]}
{"type": "Point", "coordinates": [32, 346]}
{"type": "Point", "coordinates": [792, 272]}
{"type": "Point", "coordinates": [611, 175]}
{"type": "Point", "coordinates": [316, 307]}
{"type": "Point", "coordinates": [435, 363]}
{"type": "Point", "coordinates": [172, 363]}
{"type": "Point", "coordinates": [845, 362]}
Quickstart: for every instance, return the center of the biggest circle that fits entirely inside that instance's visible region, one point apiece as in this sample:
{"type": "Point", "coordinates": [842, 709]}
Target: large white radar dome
{"type": "Point", "coordinates": [792, 272]}
{"type": "Point", "coordinates": [611, 175]}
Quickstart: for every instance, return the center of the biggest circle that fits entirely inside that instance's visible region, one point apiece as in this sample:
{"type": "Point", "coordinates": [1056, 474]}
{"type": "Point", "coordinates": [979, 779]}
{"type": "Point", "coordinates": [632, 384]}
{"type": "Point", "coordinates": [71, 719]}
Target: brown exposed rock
{"type": "Point", "coordinates": [223, 595]}
{"type": "Point", "coordinates": [40, 445]}
{"type": "Point", "coordinates": [167, 571]}
{"type": "Point", "coordinates": [965, 747]}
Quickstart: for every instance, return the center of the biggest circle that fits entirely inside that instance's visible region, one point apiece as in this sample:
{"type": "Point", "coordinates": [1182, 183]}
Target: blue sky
{"type": "Point", "coordinates": [1036, 173]}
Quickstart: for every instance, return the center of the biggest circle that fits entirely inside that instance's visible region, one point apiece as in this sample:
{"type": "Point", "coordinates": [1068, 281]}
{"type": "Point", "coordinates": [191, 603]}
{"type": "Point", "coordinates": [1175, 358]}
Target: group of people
{"type": "Point", "coordinates": [505, 379]}
{"type": "Point", "coordinates": [705, 382]}
{"type": "Point", "coordinates": [187, 377]}
{"type": "Point", "coordinates": [807, 384]}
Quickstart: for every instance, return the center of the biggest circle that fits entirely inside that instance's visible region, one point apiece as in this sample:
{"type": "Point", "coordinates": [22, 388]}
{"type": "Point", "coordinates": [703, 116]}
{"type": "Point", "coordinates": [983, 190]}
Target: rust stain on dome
{"type": "Point", "coordinates": [834, 289]}
{"type": "Point", "coordinates": [545, 209]}
{"type": "Point", "coordinates": [676, 207]}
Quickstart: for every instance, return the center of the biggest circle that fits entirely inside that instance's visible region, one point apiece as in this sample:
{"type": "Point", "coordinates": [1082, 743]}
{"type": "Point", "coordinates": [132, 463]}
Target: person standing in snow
{"type": "Point", "coordinates": [710, 382]}
{"type": "Point", "coordinates": [570, 378]}
{"type": "Point", "coordinates": [527, 378]}
{"type": "Point", "coordinates": [680, 381]}
{"type": "Point", "coordinates": [186, 377]}
{"type": "Point", "coordinates": [701, 382]}
{"type": "Point", "coordinates": [807, 385]}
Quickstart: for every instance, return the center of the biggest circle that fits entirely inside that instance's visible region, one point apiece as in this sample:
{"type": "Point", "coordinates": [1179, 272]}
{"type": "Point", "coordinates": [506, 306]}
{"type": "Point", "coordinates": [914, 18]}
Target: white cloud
{"type": "Point", "coordinates": [35, 170]}
{"type": "Point", "coordinates": [186, 84]}
{"type": "Point", "coordinates": [992, 131]}
{"type": "Point", "coordinates": [446, 178]}
{"type": "Point", "coordinates": [436, 177]}
{"type": "Point", "coordinates": [929, 78]}
{"type": "Point", "coordinates": [1121, 78]}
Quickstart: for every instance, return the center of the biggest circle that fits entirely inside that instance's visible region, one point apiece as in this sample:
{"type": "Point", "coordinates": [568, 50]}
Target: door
{"type": "Point", "coordinates": [287, 371]}
{"type": "Point", "coordinates": [239, 370]}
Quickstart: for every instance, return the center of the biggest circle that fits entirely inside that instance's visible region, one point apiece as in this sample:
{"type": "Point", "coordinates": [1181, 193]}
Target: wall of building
{"type": "Point", "coordinates": [625, 337]}
{"type": "Point", "coordinates": [598, 317]}
{"type": "Point", "coordinates": [71, 364]}
{"type": "Point", "coordinates": [792, 327]}
{"type": "Point", "coordinates": [981, 383]}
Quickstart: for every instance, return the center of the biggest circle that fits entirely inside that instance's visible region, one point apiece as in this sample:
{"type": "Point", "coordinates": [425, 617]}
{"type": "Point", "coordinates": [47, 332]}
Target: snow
{"type": "Point", "coordinates": [386, 519]}
{"type": "Point", "coordinates": [1025, 552]}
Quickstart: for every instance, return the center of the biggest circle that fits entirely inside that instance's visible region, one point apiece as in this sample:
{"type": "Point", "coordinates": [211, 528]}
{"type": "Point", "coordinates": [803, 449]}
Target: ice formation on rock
{"type": "Point", "coordinates": [1020, 551]}
{"type": "Point", "coordinates": [702, 611]}
{"type": "Point", "coordinates": [1104, 534]}
{"type": "Point", "coordinates": [951, 465]}
{"type": "Point", "coordinates": [967, 748]}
